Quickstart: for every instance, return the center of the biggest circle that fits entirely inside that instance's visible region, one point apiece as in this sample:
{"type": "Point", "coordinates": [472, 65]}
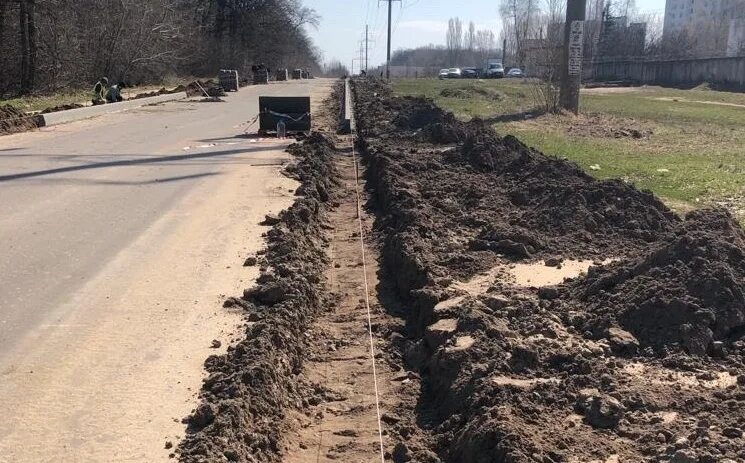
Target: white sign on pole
{"type": "Point", "coordinates": [576, 36]}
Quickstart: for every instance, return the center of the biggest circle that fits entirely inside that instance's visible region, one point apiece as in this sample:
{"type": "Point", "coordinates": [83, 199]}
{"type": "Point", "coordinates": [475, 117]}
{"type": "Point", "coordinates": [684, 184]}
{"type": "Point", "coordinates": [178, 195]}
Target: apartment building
{"type": "Point", "coordinates": [713, 26]}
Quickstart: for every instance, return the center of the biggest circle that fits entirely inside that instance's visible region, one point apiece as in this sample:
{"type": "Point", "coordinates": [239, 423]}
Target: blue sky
{"type": "Point", "coordinates": [417, 22]}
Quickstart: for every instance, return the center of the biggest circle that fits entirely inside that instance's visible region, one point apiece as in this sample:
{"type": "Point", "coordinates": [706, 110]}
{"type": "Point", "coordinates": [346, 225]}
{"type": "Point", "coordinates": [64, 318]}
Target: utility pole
{"type": "Point", "coordinates": [367, 45]}
{"type": "Point", "coordinates": [362, 57]}
{"type": "Point", "coordinates": [390, 17]}
{"type": "Point", "coordinates": [367, 42]}
{"type": "Point", "coordinates": [504, 52]}
{"type": "Point", "coordinates": [571, 72]}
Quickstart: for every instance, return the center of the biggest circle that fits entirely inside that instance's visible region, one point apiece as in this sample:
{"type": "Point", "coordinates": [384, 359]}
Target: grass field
{"type": "Point", "coordinates": [689, 147]}
{"type": "Point", "coordinates": [39, 102]}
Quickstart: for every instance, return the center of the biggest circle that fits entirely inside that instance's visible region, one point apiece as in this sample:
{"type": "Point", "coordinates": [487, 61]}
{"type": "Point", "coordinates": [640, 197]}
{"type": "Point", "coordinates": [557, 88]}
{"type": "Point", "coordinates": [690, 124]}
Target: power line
{"type": "Point", "coordinates": [388, 55]}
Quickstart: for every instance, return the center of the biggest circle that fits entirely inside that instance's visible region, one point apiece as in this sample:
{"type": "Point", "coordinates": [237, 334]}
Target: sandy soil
{"type": "Point", "coordinates": [345, 428]}
{"type": "Point", "coordinates": [115, 387]}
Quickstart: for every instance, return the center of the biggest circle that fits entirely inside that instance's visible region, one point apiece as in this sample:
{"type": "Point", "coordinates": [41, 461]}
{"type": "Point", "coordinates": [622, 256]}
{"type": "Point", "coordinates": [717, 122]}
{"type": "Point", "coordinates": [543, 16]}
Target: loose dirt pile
{"type": "Point", "coordinates": [471, 92]}
{"type": "Point", "coordinates": [243, 401]}
{"type": "Point", "coordinates": [642, 359]}
{"type": "Point", "coordinates": [193, 89]}
{"type": "Point", "coordinates": [64, 107]}
{"type": "Point", "coordinates": [688, 293]}
{"type": "Point", "coordinates": [13, 120]}
{"type": "Point", "coordinates": [600, 126]}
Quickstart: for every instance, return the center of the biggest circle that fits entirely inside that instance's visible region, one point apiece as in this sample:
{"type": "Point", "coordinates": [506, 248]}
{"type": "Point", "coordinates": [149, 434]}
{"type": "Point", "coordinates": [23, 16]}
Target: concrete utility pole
{"type": "Point", "coordinates": [571, 72]}
{"type": "Point", "coordinates": [390, 17]}
{"type": "Point", "coordinates": [367, 45]}
{"type": "Point", "coordinates": [362, 57]}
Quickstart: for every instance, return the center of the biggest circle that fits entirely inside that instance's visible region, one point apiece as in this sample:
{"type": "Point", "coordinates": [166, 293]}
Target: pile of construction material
{"type": "Point", "coordinates": [229, 80]}
{"type": "Point", "coordinates": [282, 75]}
{"type": "Point", "coordinates": [260, 74]}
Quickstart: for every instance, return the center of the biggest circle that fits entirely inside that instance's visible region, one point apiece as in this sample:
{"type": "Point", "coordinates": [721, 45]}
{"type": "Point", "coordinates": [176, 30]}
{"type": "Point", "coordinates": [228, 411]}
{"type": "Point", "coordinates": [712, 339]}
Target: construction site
{"type": "Point", "coordinates": [296, 263]}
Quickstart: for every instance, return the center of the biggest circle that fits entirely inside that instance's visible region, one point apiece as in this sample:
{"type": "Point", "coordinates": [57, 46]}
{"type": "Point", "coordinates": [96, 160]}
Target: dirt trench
{"type": "Point", "coordinates": [13, 120]}
{"type": "Point", "coordinates": [300, 386]}
{"type": "Point", "coordinates": [551, 317]}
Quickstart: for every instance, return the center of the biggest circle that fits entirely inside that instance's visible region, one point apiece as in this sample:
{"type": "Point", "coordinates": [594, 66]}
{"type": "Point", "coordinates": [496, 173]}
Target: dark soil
{"type": "Point", "coordinates": [640, 360]}
{"type": "Point", "coordinates": [13, 120]}
{"type": "Point", "coordinates": [686, 294]}
{"type": "Point", "coordinates": [248, 390]}
{"type": "Point", "coordinates": [64, 107]}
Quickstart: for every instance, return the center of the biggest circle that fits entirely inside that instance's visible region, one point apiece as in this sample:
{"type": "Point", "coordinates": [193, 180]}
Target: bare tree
{"type": "Point", "coordinates": [454, 39]}
{"type": "Point", "coordinates": [485, 44]}
{"type": "Point", "coordinates": [145, 40]}
{"type": "Point", "coordinates": [518, 24]}
{"type": "Point", "coordinates": [471, 37]}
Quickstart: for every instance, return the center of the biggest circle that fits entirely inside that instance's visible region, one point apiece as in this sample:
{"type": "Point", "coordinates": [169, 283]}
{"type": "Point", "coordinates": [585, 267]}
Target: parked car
{"type": "Point", "coordinates": [471, 73]}
{"type": "Point", "coordinates": [443, 74]}
{"type": "Point", "coordinates": [494, 71]}
{"type": "Point", "coordinates": [454, 73]}
{"type": "Point", "coordinates": [515, 72]}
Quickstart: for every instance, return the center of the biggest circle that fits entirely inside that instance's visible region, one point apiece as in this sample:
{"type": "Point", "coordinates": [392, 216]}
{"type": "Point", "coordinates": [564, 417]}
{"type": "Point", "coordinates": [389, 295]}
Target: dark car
{"type": "Point", "coordinates": [494, 71]}
{"type": "Point", "coordinates": [470, 73]}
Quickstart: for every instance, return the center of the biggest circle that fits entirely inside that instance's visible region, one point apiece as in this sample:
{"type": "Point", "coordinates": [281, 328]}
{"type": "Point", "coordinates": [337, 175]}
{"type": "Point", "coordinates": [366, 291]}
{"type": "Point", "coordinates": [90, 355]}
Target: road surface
{"type": "Point", "coordinates": [120, 237]}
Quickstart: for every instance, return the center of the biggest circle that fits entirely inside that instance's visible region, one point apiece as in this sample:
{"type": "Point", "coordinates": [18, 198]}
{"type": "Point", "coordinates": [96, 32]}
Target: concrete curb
{"type": "Point", "coordinates": [72, 115]}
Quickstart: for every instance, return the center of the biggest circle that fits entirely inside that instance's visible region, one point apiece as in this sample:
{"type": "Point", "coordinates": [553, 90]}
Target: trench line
{"type": "Point", "coordinates": [367, 299]}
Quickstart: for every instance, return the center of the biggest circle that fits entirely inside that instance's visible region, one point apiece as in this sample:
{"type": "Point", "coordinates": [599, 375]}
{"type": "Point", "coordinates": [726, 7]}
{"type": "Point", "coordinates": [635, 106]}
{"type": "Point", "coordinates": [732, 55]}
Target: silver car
{"type": "Point", "coordinates": [454, 73]}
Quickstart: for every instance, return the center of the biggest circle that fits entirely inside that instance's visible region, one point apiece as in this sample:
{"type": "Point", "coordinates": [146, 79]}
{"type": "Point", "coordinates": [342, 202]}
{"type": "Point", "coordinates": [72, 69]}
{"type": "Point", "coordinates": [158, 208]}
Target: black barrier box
{"type": "Point", "coordinates": [294, 110]}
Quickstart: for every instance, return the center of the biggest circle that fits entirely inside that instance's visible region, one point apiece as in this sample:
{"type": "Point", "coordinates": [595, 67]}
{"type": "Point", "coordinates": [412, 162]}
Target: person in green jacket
{"type": "Point", "coordinates": [99, 91]}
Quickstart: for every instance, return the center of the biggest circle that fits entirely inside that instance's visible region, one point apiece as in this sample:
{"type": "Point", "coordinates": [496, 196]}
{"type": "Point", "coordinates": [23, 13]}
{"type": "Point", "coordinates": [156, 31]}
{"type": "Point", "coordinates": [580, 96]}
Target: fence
{"type": "Point", "coordinates": [726, 73]}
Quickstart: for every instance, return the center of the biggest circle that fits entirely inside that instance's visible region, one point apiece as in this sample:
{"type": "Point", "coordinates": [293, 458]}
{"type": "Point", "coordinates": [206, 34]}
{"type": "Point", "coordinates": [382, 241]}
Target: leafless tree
{"type": "Point", "coordinates": [519, 25]}
{"type": "Point", "coordinates": [145, 40]}
{"type": "Point", "coordinates": [454, 39]}
{"type": "Point", "coordinates": [471, 37]}
{"type": "Point", "coordinates": [485, 44]}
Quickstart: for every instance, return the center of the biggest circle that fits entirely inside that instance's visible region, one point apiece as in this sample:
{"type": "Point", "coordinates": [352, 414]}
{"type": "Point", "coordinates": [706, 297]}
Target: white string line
{"type": "Point", "coordinates": [367, 300]}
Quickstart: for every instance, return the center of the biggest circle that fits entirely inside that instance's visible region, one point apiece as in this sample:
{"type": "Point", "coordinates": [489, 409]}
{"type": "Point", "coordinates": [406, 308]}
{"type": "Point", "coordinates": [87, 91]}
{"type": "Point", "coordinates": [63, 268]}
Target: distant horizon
{"type": "Point", "coordinates": [415, 23]}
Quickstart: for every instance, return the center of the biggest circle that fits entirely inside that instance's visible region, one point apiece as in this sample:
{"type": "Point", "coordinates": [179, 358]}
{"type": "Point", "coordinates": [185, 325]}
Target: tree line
{"type": "Point", "coordinates": [464, 46]}
{"type": "Point", "coordinates": [53, 44]}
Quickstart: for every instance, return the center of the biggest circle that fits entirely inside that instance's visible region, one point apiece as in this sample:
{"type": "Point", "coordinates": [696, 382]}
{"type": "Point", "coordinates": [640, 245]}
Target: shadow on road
{"type": "Point", "coordinates": [135, 162]}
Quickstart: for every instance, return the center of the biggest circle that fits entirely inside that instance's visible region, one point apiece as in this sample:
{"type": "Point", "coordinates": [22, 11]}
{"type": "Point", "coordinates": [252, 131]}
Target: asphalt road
{"type": "Point", "coordinates": [118, 236]}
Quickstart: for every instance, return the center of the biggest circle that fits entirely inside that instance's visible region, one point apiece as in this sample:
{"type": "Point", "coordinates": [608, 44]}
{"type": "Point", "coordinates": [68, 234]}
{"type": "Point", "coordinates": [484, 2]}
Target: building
{"type": "Point", "coordinates": [618, 37]}
{"type": "Point", "coordinates": [713, 27]}
{"type": "Point", "coordinates": [736, 37]}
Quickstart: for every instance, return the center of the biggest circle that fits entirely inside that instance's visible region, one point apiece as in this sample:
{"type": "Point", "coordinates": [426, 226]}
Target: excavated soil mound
{"type": "Point", "coordinates": [596, 369]}
{"type": "Point", "coordinates": [245, 396]}
{"type": "Point", "coordinates": [64, 107]}
{"type": "Point", "coordinates": [14, 120]}
{"type": "Point", "coordinates": [687, 293]}
{"type": "Point", "coordinates": [605, 127]}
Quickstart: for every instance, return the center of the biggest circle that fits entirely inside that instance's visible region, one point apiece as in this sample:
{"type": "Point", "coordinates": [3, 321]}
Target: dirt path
{"type": "Point", "coordinates": [345, 426]}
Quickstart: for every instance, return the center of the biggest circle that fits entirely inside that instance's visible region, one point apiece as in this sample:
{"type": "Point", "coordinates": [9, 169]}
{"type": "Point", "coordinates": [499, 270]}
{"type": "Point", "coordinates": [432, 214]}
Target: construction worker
{"type": "Point", "coordinates": [114, 94]}
{"type": "Point", "coordinates": [99, 91]}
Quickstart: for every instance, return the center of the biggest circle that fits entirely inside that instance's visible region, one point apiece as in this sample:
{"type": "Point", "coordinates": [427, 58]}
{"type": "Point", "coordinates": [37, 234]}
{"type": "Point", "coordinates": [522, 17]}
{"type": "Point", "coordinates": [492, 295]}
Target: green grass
{"type": "Point", "coordinates": [40, 102]}
{"type": "Point", "coordinates": [63, 97]}
{"type": "Point", "coordinates": [693, 156]}
{"type": "Point", "coordinates": [480, 98]}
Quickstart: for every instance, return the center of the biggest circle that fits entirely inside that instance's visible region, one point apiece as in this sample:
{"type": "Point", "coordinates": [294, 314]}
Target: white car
{"type": "Point", "coordinates": [443, 74]}
{"type": "Point", "coordinates": [454, 73]}
{"type": "Point", "coordinates": [515, 72]}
